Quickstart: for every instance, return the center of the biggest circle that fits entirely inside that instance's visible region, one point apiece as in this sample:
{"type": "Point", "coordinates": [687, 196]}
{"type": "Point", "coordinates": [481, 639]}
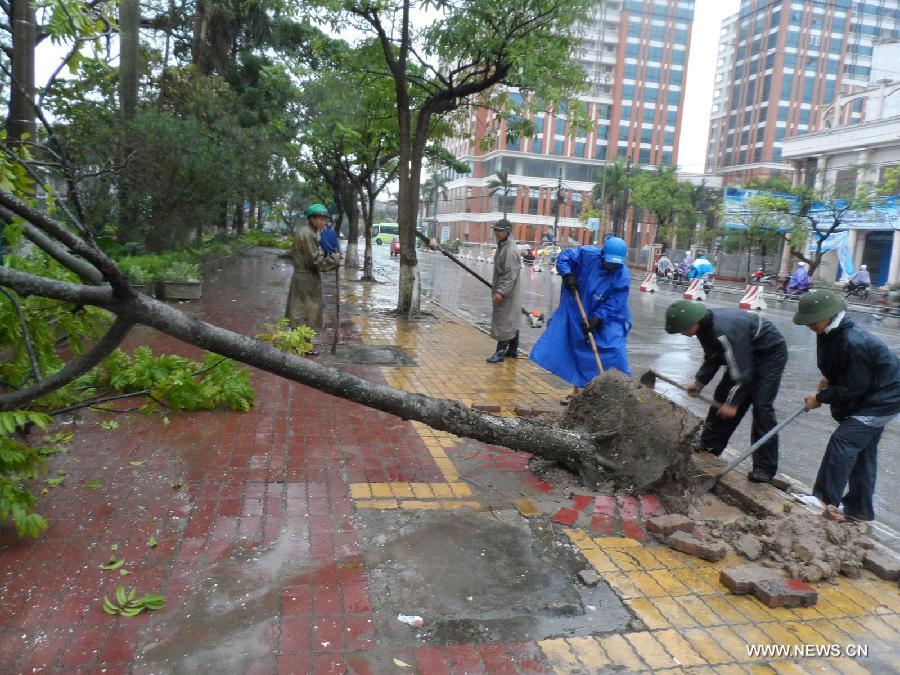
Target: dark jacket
{"type": "Point", "coordinates": [740, 341]}
{"type": "Point", "coordinates": [863, 373]}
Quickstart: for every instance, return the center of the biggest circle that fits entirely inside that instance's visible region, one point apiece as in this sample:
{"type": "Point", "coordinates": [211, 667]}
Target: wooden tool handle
{"type": "Point", "coordinates": [590, 335]}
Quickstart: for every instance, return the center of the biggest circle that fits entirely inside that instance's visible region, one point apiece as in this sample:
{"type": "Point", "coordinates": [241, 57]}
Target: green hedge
{"type": "Point", "coordinates": [179, 263]}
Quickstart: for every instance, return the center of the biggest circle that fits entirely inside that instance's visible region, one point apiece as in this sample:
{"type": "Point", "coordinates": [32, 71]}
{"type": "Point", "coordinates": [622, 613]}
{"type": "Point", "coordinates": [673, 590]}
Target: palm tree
{"type": "Point", "coordinates": [434, 187]}
{"type": "Point", "coordinates": [500, 185]}
{"type": "Point", "coordinates": [611, 192]}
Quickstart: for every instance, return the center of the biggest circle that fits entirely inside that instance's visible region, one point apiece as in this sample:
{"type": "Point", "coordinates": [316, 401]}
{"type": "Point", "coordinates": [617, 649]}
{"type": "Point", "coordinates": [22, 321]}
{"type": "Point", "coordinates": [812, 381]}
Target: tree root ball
{"type": "Point", "coordinates": [647, 436]}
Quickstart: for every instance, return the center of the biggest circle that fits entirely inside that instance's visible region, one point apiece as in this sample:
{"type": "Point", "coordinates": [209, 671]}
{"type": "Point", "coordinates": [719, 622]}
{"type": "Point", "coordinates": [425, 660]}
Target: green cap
{"type": "Point", "coordinates": [683, 314]}
{"type": "Point", "coordinates": [817, 305]}
{"type": "Point", "coordinates": [316, 210]}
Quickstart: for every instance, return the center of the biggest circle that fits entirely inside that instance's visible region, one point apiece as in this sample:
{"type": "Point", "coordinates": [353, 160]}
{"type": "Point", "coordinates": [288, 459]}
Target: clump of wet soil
{"type": "Point", "coordinates": [646, 435]}
{"type": "Point", "coordinates": [804, 545]}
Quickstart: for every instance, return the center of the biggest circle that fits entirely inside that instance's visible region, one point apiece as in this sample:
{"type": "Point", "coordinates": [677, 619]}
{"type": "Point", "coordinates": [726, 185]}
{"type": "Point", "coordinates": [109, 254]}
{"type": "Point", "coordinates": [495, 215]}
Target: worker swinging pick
{"type": "Point", "coordinates": [754, 354]}
{"type": "Point", "coordinates": [599, 280]}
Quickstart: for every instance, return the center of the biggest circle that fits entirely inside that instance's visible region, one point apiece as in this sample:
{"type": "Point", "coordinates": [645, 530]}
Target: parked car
{"type": "Point", "coordinates": [395, 246]}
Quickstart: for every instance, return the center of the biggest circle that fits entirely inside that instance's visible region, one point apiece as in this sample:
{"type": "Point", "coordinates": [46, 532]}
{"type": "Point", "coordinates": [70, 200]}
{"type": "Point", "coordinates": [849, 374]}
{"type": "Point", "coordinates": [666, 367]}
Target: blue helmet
{"type": "Point", "coordinates": [614, 250]}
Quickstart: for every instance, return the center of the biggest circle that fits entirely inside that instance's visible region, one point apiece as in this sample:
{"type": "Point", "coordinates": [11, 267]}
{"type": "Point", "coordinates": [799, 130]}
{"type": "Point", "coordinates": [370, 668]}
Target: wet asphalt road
{"type": "Point", "coordinates": [649, 346]}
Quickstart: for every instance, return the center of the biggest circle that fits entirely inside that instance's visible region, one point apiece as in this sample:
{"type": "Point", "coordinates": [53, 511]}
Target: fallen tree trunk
{"type": "Point", "coordinates": [593, 450]}
{"type": "Point", "coordinates": [582, 451]}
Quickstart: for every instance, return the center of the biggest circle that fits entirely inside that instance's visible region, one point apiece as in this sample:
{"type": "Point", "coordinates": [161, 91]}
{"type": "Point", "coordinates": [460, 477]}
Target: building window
{"type": "Point", "coordinates": [558, 147]}
{"type": "Point", "coordinates": [534, 198]}
{"type": "Point", "coordinates": [845, 183]}
{"type": "Point", "coordinates": [576, 204]}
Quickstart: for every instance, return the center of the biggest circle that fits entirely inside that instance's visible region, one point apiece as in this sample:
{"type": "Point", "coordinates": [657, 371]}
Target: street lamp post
{"type": "Point", "coordinates": [556, 207]}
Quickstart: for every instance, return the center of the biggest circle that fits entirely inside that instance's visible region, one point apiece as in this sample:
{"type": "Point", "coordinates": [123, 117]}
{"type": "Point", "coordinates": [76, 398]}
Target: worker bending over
{"type": "Point", "coordinates": [754, 355]}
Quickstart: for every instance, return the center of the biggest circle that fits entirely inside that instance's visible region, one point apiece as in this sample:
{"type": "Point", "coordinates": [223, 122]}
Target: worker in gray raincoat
{"type": "Point", "coordinates": [505, 289]}
{"type": "Point", "coordinates": [304, 305]}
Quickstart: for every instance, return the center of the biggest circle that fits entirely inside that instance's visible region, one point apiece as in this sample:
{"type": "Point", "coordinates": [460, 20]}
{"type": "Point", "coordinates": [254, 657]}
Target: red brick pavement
{"type": "Point", "coordinates": [257, 557]}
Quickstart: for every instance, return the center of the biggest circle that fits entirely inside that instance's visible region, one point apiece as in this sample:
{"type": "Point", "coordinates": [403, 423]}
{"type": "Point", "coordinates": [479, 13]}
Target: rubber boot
{"type": "Point", "coordinates": [512, 347]}
{"type": "Point", "coordinates": [498, 355]}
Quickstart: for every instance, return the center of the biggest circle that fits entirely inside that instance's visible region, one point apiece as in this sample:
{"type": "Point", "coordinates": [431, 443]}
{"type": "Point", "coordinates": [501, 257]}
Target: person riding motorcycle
{"type": "Point", "coordinates": [859, 280]}
{"type": "Point", "coordinates": [701, 268]}
{"type": "Point", "coordinates": [799, 281]}
{"type": "Point", "coordinates": [664, 266]}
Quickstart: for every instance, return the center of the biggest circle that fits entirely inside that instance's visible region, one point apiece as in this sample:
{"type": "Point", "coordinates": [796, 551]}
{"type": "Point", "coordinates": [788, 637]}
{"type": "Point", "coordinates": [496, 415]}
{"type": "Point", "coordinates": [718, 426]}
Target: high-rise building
{"type": "Point", "coordinates": [634, 54]}
{"type": "Point", "coordinates": [721, 86]}
{"type": "Point", "coordinates": [786, 60]}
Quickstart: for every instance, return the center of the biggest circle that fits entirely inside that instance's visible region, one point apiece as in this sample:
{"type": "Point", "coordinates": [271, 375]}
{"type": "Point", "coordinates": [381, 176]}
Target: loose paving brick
{"type": "Point", "coordinates": [883, 565]}
{"type": "Point", "coordinates": [741, 579]}
{"type": "Point", "coordinates": [666, 525]}
{"type": "Point", "coordinates": [565, 516]}
{"type": "Point", "coordinates": [696, 546]}
{"type": "Point", "coordinates": [785, 593]}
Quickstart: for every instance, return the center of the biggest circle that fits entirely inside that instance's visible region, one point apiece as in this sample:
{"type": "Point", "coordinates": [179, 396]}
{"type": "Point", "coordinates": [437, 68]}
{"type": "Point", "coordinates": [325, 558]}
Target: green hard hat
{"type": "Point", "coordinates": [683, 314]}
{"type": "Point", "coordinates": [316, 210]}
{"type": "Point", "coordinates": [817, 305]}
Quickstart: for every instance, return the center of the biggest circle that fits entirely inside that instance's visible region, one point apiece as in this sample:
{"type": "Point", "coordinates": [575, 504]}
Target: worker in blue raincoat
{"type": "Point", "coordinates": [601, 279]}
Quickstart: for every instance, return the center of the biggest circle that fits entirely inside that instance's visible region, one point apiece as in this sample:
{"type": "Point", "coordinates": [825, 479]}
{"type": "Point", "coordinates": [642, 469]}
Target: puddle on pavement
{"type": "Point", "coordinates": [229, 621]}
{"type": "Point", "coordinates": [369, 355]}
{"type": "Point", "coordinates": [475, 578]}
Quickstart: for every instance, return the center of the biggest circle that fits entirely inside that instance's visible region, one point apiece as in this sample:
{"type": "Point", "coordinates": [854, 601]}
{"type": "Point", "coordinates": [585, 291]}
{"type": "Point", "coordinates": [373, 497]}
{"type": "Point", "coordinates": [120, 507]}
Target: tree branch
{"type": "Point", "coordinates": [86, 250]}
{"type": "Point", "coordinates": [26, 335]}
{"type": "Point", "coordinates": [445, 415]}
{"type": "Point", "coordinates": [84, 270]}
{"type": "Point", "coordinates": [72, 370]}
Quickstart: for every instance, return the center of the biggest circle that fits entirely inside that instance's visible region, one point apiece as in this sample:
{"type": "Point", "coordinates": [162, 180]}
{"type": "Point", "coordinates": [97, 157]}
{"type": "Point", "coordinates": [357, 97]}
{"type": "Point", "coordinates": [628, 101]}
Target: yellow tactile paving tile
{"type": "Point", "coordinates": [675, 595]}
{"type": "Point", "coordinates": [648, 613]}
{"type": "Point", "coordinates": [599, 560]}
{"type": "Point", "coordinates": [621, 653]}
{"type": "Point", "coordinates": [589, 653]}
{"type": "Point", "coordinates": [679, 648]}
{"type": "Point", "coordinates": [650, 650]}
{"type": "Point", "coordinates": [560, 656]}
{"type": "Point", "coordinates": [692, 623]}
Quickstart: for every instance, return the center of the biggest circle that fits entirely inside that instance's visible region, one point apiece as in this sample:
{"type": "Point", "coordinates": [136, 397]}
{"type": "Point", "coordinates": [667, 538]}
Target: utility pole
{"type": "Point", "coordinates": [625, 200]}
{"type": "Point", "coordinates": [556, 207]}
{"type": "Point", "coordinates": [604, 210]}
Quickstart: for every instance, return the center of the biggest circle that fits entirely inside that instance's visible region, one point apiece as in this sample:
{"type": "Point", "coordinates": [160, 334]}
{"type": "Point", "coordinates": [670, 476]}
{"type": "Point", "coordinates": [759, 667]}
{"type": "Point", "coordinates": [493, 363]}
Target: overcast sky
{"type": "Point", "coordinates": [708, 15]}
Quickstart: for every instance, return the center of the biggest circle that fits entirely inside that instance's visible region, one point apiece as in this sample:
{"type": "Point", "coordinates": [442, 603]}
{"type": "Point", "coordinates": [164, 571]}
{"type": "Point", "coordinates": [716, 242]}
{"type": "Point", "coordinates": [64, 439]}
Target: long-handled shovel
{"type": "Point", "coordinates": [649, 379]}
{"type": "Point", "coordinates": [711, 482]}
{"type": "Point", "coordinates": [465, 267]}
{"type": "Point", "coordinates": [590, 335]}
{"type": "Point", "coordinates": [337, 308]}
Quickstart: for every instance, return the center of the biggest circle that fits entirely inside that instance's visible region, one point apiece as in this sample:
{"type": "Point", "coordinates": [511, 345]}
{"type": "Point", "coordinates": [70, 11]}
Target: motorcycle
{"type": "Point", "coordinates": [680, 275]}
{"type": "Point", "coordinates": [665, 276]}
{"type": "Point", "coordinates": [859, 290]}
{"type": "Point", "coordinates": [782, 293]}
{"type": "Point", "coordinates": [761, 278]}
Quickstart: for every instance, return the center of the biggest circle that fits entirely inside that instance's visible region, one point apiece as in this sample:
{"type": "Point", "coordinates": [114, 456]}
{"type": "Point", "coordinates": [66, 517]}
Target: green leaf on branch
{"type": "Point", "coordinates": [92, 484]}
{"type": "Point", "coordinates": [113, 564]}
{"type": "Point", "coordinates": [127, 604]}
{"type": "Point", "coordinates": [109, 424]}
